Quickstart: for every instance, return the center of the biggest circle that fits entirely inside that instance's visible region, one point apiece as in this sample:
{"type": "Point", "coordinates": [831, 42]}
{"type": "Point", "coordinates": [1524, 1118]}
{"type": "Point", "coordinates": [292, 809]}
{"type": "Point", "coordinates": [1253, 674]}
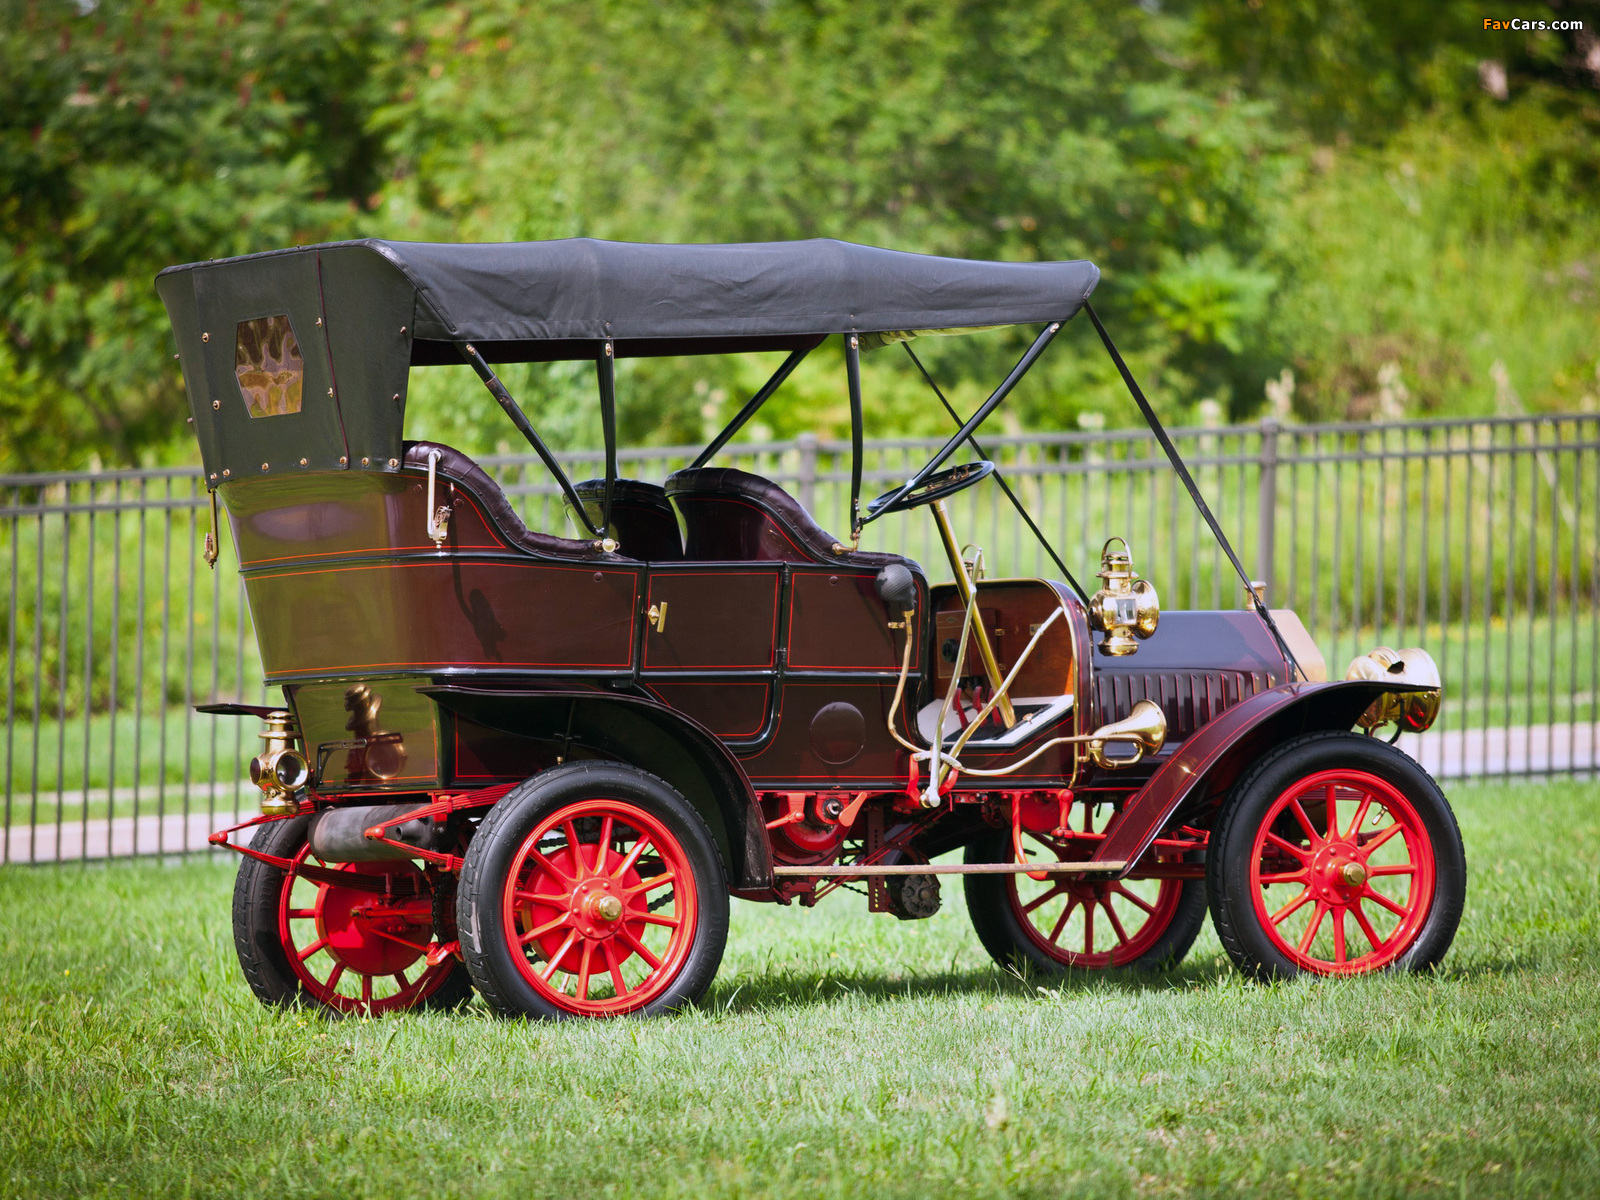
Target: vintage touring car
{"type": "Point", "coordinates": [538, 766]}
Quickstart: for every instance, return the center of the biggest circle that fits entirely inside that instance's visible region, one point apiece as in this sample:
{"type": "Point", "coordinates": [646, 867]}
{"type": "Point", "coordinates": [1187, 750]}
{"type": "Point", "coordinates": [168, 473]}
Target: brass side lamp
{"type": "Point", "coordinates": [1126, 607]}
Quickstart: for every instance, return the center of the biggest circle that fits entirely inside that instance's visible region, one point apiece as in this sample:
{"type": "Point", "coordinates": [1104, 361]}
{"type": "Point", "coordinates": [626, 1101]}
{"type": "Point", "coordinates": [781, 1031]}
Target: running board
{"type": "Point", "coordinates": [1054, 868]}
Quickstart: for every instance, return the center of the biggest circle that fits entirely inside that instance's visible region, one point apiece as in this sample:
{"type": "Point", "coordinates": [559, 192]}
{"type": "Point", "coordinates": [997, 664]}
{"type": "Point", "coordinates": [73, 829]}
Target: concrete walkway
{"type": "Point", "coordinates": [1528, 750]}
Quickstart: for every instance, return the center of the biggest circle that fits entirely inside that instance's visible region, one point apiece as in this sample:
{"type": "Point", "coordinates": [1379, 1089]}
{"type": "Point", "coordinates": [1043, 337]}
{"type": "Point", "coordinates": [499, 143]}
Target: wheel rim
{"type": "Point", "coordinates": [1341, 873]}
{"type": "Point", "coordinates": [600, 908]}
{"type": "Point", "coordinates": [1091, 924]}
{"type": "Point", "coordinates": [354, 948]}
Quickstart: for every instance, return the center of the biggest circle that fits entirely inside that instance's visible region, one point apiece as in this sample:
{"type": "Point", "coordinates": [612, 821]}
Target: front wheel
{"type": "Point", "coordinates": [592, 890]}
{"type": "Point", "coordinates": [1066, 923]}
{"type": "Point", "coordinates": [1336, 855]}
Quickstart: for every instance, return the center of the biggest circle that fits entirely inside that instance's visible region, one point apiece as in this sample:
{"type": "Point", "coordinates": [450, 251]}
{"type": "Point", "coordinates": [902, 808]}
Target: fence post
{"type": "Point", "coordinates": [806, 443]}
{"type": "Point", "coordinates": [1267, 507]}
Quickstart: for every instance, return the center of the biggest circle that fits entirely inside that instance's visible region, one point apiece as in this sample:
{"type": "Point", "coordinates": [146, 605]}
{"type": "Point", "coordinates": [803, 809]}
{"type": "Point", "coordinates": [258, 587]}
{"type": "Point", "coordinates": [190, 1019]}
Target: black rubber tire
{"type": "Point", "coordinates": [999, 927]}
{"type": "Point", "coordinates": [497, 841]}
{"type": "Point", "coordinates": [255, 928]}
{"type": "Point", "coordinates": [1232, 841]}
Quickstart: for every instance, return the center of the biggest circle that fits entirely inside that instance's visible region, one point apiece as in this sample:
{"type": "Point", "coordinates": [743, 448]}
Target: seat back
{"type": "Point", "coordinates": [642, 519]}
{"type": "Point", "coordinates": [730, 514]}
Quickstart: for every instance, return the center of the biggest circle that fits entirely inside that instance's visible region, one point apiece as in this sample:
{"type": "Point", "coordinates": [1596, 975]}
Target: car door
{"type": "Point", "coordinates": [711, 638]}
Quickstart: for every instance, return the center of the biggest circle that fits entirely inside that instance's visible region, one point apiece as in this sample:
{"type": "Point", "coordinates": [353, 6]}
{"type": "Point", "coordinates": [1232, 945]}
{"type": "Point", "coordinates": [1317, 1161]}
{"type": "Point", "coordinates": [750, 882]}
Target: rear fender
{"type": "Point", "coordinates": [646, 735]}
{"type": "Point", "coordinates": [1220, 751]}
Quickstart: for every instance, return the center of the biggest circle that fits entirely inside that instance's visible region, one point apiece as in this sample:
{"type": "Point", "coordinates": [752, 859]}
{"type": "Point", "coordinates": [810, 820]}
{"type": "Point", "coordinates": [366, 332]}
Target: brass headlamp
{"type": "Point", "coordinates": [1413, 710]}
{"type": "Point", "coordinates": [1126, 606]}
{"type": "Point", "coordinates": [280, 771]}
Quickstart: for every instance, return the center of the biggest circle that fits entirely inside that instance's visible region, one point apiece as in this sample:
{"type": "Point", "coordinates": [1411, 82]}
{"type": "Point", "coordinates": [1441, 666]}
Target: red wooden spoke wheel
{"type": "Point", "coordinates": [1091, 924]}
{"type": "Point", "coordinates": [1335, 854]}
{"type": "Point", "coordinates": [592, 890]}
{"type": "Point", "coordinates": [356, 947]}
{"type": "Point", "coordinates": [1061, 923]}
{"type": "Point", "coordinates": [599, 907]}
{"type": "Point", "coordinates": [1342, 872]}
{"type": "Point", "coordinates": [358, 950]}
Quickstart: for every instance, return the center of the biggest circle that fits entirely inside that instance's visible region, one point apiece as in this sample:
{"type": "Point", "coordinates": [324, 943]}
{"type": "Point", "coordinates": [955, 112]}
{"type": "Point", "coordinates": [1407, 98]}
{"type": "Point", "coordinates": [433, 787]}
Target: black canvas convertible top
{"type": "Point", "coordinates": [503, 295]}
{"type": "Point", "coordinates": [355, 316]}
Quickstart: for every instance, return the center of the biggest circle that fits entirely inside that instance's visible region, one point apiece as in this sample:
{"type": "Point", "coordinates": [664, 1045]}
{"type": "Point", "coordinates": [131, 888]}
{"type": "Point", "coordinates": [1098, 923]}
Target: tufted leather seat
{"type": "Point", "coordinates": [642, 519]}
{"type": "Point", "coordinates": [733, 515]}
{"type": "Point", "coordinates": [460, 470]}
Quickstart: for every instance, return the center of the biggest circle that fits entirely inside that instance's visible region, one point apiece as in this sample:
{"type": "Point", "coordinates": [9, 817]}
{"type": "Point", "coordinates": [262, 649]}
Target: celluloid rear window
{"type": "Point", "coordinates": [266, 358]}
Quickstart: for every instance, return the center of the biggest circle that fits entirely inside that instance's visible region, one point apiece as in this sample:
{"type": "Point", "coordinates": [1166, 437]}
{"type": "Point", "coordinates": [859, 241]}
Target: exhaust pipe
{"type": "Point", "coordinates": [340, 834]}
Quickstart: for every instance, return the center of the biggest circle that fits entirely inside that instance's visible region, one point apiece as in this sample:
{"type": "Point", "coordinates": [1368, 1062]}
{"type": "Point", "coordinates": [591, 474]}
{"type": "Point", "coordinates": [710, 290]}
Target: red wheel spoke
{"type": "Point", "coordinates": [1397, 869]}
{"type": "Point", "coordinates": [1379, 839]}
{"type": "Point", "coordinates": [1288, 847]}
{"type": "Point", "coordinates": [334, 976]}
{"type": "Point", "coordinates": [1088, 929]}
{"type": "Point", "coordinates": [1134, 898]}
{"type": "Point", "coordinates": [1338, 936]}
{"type": "Point", "coordinates": [1289, 877]}
{"type": "Point", "coordinates": [313, 948]}
{"type": "Point", "coordinates": [1289, 909]}
{"type": "Point", "coordinates": [538, 898]}
{"type": "Point", "coordinates": [633, 857]}
{"type": "Point", "coordinates": [573, 846]}
{"type": "Point", "coordinates": [1051, 894]}
{"type": "Point", "coordinates": [1383, 900]}
{"type": "Point", "coordinates": [640, 949]}
{"type": "Point", "coordinates": [551, 867]}
{"type": "Point", "coordinates": [1310, 934]}
{"type": "Point", "coordinates": [650, 885]}
{"type": "Point", "coordinates": [1366, 925]}
{"type": "Point", "coordinates": [614, 965]}
{"type": "Point", "coordinates": [650, 918]}
{"type": "Point", "coordinates": [366, 990]}
{"type": "Point", "coordinates": [550, 967]}
{"type": "Point", "coordinates": [547, 927]}
{"type": "Point", "coordinates": [1061, 921]}
{"type": "Point", "coordinates": [400, 978]}
{"type": "Point", "coordinates": [1361, 815]}
{"type": "Point", "coordinates": [1122, 935]}
{"type": "Point", "coordinates": [301, 914]}
{"type": "Point", "coordinates": [583, 964]}
{"type": "Point", "coordinates": [1305, 821]}
{"type": "Point", "coordinates": [603, 846]}
{"type": "Point", "coordinates": [1333, 813]}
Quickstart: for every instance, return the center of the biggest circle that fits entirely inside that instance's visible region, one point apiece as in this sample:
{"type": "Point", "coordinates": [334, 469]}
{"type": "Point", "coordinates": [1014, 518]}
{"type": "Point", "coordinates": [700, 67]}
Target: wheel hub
{"type": "Point", "coordinates": [1337, 874]}
{"type": "Point", "coordinates": [596, 908]}
{"type": "Point", "coordinates": [371, 933]}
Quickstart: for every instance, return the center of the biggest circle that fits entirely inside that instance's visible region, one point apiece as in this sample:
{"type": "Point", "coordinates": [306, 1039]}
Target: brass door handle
{"type": "Point", "coordinates": [657, 616]}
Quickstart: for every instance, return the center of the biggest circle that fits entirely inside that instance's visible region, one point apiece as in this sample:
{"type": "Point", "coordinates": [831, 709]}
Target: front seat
{"type": "Point", "coordinates": [731, 514]}
{"type": "Point", "coordinates": [642, 519]}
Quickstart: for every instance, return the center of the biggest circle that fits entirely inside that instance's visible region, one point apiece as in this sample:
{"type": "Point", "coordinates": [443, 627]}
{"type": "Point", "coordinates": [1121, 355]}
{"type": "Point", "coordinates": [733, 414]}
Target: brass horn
{"type": "Point", "coordinates": [1145, 727]}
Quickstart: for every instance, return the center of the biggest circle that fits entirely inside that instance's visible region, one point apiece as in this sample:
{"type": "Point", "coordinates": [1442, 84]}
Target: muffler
{"type": "Point", "coordinates": [340, 834]}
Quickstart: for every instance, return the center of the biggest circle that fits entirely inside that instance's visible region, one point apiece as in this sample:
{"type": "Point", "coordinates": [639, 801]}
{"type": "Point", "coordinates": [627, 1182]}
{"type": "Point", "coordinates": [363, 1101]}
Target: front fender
{"type": "Point", "coordinates": [1220, 751]}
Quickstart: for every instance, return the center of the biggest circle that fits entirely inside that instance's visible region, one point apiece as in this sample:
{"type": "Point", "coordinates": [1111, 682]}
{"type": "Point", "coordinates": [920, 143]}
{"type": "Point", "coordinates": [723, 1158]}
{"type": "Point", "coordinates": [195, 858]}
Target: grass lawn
{"type": "Point", "coordinates": [838, 1054]}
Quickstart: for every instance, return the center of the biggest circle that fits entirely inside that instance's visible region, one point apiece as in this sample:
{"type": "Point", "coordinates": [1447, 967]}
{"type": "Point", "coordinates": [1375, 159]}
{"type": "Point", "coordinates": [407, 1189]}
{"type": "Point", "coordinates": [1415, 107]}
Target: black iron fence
{"type": "Point", "coordinates": [1476, 539]}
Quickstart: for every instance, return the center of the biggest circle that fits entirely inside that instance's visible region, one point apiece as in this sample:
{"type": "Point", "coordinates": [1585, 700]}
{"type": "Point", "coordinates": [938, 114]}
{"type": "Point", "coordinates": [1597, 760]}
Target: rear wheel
{"type": "Point", "coordinates": [1336, 855]}
{"type": "Point", "coordinates": [348, 937]}
{"type": "Point", "coordinates": [592, 890]}
{"type": "Point", "coordinates": [1060, 923]}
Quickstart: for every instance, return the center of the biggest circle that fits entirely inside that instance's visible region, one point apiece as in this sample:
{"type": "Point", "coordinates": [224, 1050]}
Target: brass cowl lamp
{"type": "Point", "coordinates": [1126, 607]}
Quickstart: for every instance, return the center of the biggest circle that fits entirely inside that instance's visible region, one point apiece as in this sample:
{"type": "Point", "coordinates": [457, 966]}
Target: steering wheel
{"type": "Point", "coordinates": [935, 487]}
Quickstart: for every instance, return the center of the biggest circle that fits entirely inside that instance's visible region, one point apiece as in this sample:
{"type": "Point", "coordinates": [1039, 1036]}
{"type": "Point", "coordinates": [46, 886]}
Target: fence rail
{"type": "Point", "coordinates": [1477, 539]}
